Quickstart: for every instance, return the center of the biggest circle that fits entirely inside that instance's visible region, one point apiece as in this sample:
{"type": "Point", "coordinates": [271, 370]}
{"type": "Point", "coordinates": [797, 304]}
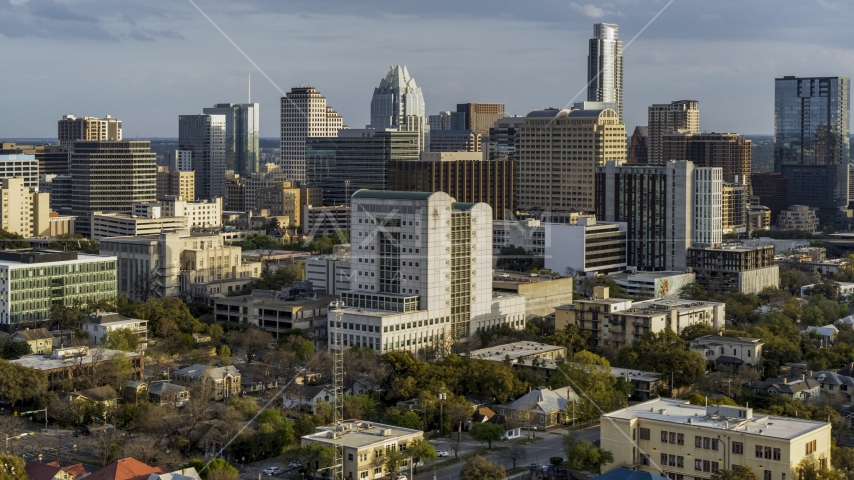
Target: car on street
{"type": "Point", "coordinates": [269, 471]}
{"type": "Point", "coordinates": [295, 464]}
{"type": "Point", "coordinates": [441, 453]}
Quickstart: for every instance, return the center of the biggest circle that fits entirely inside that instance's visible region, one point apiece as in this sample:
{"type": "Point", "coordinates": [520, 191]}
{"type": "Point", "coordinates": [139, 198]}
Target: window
{"type": "Point", "coordinates": [707, 466]}
{"type": "Point", "coordinates": [811, 447]}
{"type": "Point", "coordinates": [644, 460]}
{"type": "Point", "coordinates": [664, 436]}
{"type": "Point", "coordinates": [350, 456]}
{"type": "Point", "coordinates": [714, 466]}
{"type": "Point", "coordinates": [776, 454]}
{"type": "Point", "coordinates": [663, 459]}
{"type": "Point", "coordinates": [634, 433]}
{"type": "Point", "coordinates": [680, 439]}
{"type": "Point", "coordinates": [698, 465]}
{"type": "Point", "coordinates": [738, 448]}
{"type": "Point", "coordinates": [714, 444]}
{"type": "Point", "coordinates": [768, 453]}
{"type": "Point", "coordinates": [707, 442]}
{"type": "Point", "coordinates": [671, 461]}
{"type": "Point", "coordinates": [822, 463]}
{"type": "Point", "coordinates": [698, 442]}
{"type": "Point", "coordinates": [680, 462]}
{"type": "Point", "coordinates": [767, 475]}
{"type": "Point", "coordinates": [759, 451]}
{"type": "Point", "coordinates": [644, 434]}
{"type": "Point", "coordinates": [672, 437]}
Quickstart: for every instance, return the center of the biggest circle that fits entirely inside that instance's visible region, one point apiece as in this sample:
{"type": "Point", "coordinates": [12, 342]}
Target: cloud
{"type": "Point", "coordinates": [591, 10]}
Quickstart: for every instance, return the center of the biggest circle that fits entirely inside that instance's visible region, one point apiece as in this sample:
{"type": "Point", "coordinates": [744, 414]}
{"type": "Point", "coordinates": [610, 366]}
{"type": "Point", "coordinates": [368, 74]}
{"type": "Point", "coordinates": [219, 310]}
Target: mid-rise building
{"type": "Point", "coordinates": [446, 120]}
{"type": "Point", "coordinates": [35, 280]}
{"type": "Point", "coordinates": [605, 67]}
{"type": "Point", "coordinates": [71, 129]}
{"type": "Point", "coordinates": [59, 188]}
{"type": "Point", "coordinates": [772, 189]}
{"type": "Point", "coordinates": [105, 225]}
{"type": "Point", "coordinates": [356, 159]}
{"type": "Point", "coordinates": [175, 183]}
{"type": "Point", "coordinates": [671, 437]}
{"type": "Point", "coordinates": [734, 268]}
{"type": "Point", "coordinates": [172, 263]}
{"type": "Point", "coordinates": [639, 147]}
{"type": "Point", "coordinates": [304, 115]}
{"type": "Point", "coordinates": [399, 104]}
{"type": "Point", "coordinates": [63, 365]}
{"type": "Point", "coordinates": [204, 136]}
{"type": "Point", "coordinates": [587, 248]}
{"type": "Point", "coordinates": [653, 284]}
{"type": "Point", "coordinates": [680, 116]}
{"type": "Point", "coordinates": [199, 215]}
{"type": "Point", "coordinates": [280, 200]}
{"type": "Point", "coordinates": [503, 139]}
{"type": "Point", "coordinates": [235, 195]}
{"type": "Point", "coordinates": [735, 200]}
{"type": "Point", "coordinates": [758, 218]}
{"type": "Point", "coordinates": [527, 233]}
{"type": "Point", "coordinates": [728, 151]}
{"type": "Point", "coordinates": [110, 177]}
{"type": "Point", "coordinates": [811, 143]}
{"type": "Point", "coordinates": [325, 221]}
{"type": "Point", "coordinates": [541, 294]}
{"type": "Point", "coordinates": [455, 141]}
{"type": "Point", "coordinates": [619, 322]}
{"type": "Point", "coordinates": [462, 175]}
{"type": "Point", "coordinates": [102, 324]}
{"type": "Point", "coordinates": [181, 160]}
{"type": "Point", "coordinates": [241, 135]}
{"type": "Point", "coordinates": [478, 117]}
{"type": "Point", "coordinates": [23, 166]}
{"type": "Point", "coordinates": [25, 212]}
{"type": "Point", "coordinates": [330, 274]}
{"type": "Point", "coordinates": [798, 217]}
{"type": "Point", "coordinates": [421, 273]}
{"type": "Point", "coordinates": [52, 159]}
{"type": "Point", "coordinates": [729, 352]}
{"type": "Point", "coordinates": [558, 153]}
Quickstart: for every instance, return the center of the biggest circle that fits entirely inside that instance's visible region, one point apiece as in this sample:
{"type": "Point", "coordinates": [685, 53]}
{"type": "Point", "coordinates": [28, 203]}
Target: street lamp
{"type": "Point", "coordinates": [442, 397]}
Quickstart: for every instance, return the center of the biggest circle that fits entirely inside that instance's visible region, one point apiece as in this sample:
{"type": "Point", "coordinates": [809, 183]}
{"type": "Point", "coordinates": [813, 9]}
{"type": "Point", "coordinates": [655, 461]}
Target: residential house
{"type": "Point", "coordinates": [309, 396]}
{"type": "Point", "coordinates": [102, 323]}
{"type": "Point", "coordinates": [835, 384]}
{"type": "Point", "coordinates": [826, 334]}
{"type": "Point", "coordinates": [256, 378]}
{"type": "Point", "coordinates": [39, 339]}
{"type": "Point", "coordinates": [225, 380]}
{"type": "Point", "coordinates": [126, 469]}
{"type": "Point", "coordinates": [162, 392]}
{"type": "Point", "coordinates": [53, 471]}
{"type": "Point", "coordinates": [183, 474]}
{"type": "Point", "coordinates": [799, 389]}
{"type": "Point", "coordinates": [729, 352]}
{"type": "Point", "coordinates": [541, 408]}
{"type": "Point", "coordinates": [103, 397]}
{"type": "Point", "coordinates": [645, 385]}
{"type": "Point", "coordinates": [134, 391]}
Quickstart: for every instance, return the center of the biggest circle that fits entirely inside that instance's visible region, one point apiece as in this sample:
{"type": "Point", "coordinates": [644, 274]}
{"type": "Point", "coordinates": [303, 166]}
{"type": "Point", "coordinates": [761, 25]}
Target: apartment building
{"type": "Point", "coordinates": [176, 183]}
{"type": "Point", "coordinates": [727, 151]}
{"type": "Point", "coordinates": [798, 217]}
{"type": "Point", "coordinates": [102, 324]}
{"type": "Point", "coordinates": [65, 364]}
{"type": "Point", "coordinates": [735, 268]}
{"type": "Point", "coordinates": [25, 212]}
{"type": "Point", "coordinates": [735, 201]}
{"type": "Point", "coordinates": [679, 116]}
{"type": "Point", "coordinates": [71, 129]}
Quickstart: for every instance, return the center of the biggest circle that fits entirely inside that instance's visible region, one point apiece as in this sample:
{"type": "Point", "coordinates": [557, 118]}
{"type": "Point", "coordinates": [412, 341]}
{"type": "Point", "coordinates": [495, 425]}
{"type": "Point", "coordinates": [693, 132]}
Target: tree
{"type": "Point", "coordinates": [843, 461]}
{"type": "Point", "coordinates": [738, 472]}
{"type": "Point", "coordinates": [486, 432]}
{"type": "Point", "coordinates": [20, 383]}
{"type": "Point", "coordinates": [666, 353]}
{"type": "Point", "coordinates": [478, 468]}
{"type": "Point", "coordinates": [405, 418]}
{"type": "Point", "coordinates": [420, 450]}
{"type": "Point", "coordinates": [12, 468]}
{"type": "Point", "coordinates": [219, 469]}
{"type": "Point", "coordinates": [515, 453]}
{"type": "Point", "coordinates": [583, 455]}
{"type": "Point", "coordinates": [250, 343]}
{"type": "Point", "coordinates": [123, 339]}
{"type": "Point", "coordinates": [11, 350]}
{"type": "Point", "coordinates": [393, 459]}
{"type": "Point", "coordinates": [590, 376]}
{"type": "Point", "coordinates": [693, 291]}
{"type": "Point", "coordinates": [313, 457]}
{"type": "Point", "coordinates": [807, 470]}
{"type": "Point", "coordinates": [696, 330]}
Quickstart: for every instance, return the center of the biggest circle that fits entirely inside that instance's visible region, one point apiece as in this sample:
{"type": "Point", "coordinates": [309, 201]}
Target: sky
{"type": "Point", "coordinates": [146, 62]}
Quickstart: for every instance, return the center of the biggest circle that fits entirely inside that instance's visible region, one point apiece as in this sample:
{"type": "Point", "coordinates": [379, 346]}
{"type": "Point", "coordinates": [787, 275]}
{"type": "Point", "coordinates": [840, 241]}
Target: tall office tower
{"type": "Point", "coordinates": [421, 273]}
{"type": "Point", "coordinates": [52, 159]}
{"type": "Point", "coordinates": [24, 166]}
{"type": "Point", "coordinates": [304, 115]}
{"type": "Point", "coordinates": [71, 128]}
{"type": "Point", "coordinates": [667, 209]}
{"type": "Point", "coordinates": [446, 120]}
{"type": "Point", "coordinates": [558, 153]}
{"type": "Point", "coordinates": [454, 141]}
{"type": "Point", "coordinates": [204, 136]}
{"type": "Point", "coordinates": [605, 67]}
{"type": "Point", "coordinates": [241, 135]}
{"type": "Point", "coordinates": [479, 117]}
{"type": "Point", "coordinates": [680, 116]}
{"type": "Point", "coordinates": [110, 177]}
{"type": "Point", "coordinates": [399, 103]}
{"type": "Point", "coordinates": [639, 147]}
{"type": "Point", "coordinates": [503, 139]}
{"type": "Point", "coordinates": [181, 161]}
{"type": "Point", "coordinates": [725, 150]}
{"type": "Point", "coordinates": [772, 188]}
{"type": "Point", "coordinates": [356, 159]}
{"type": "Point", "coordinates": [811, 143]}
{"type": "Point", "coordinates": [465, 176]}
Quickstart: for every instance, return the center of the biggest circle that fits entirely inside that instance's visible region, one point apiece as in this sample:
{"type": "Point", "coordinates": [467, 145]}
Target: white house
{"type": "Point", "coordinates": [102, 323]}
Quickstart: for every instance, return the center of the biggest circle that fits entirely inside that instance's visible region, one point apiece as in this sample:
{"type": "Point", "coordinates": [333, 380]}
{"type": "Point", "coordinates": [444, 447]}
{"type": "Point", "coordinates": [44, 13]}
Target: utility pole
{"type": "Point", "coordinates": [442, 397]}
{"type": "Point", "coordinates": [337, 352]}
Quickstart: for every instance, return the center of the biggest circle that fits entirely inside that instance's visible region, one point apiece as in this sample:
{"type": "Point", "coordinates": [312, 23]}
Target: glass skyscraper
{"type": "Point", "coordinates": [811, 143]}
{"type": "Point", "coordinates": [241, 135]}
{"type": "Point", "coordinates": [399, 103]}
{"type": "Point", "coordinates": [204, 135]}
{"type": "Point", "coordinates": [605, 67]}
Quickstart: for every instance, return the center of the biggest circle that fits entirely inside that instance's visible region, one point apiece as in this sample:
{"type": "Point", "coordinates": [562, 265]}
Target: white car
{"type": "Point", "coordinates": [503, 275]}
{"type": "Point", "coordinates": [270, 471]}
{"type": "Point", "coordinates": [402, 477]}
{"type": "Point", "coordinates": [295, 464]}
{"type": "Point", "coordinates": [442, 453]}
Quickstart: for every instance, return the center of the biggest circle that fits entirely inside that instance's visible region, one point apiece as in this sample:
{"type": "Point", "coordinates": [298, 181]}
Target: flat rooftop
{"type": "Point", "coordinates": [27, 259]}
{"type": "Point", "coordinates": [651, 275]}
{"type": "Point", "coordinates": [273, 301]}
{"type": "Point", "coordinates": [679, 411]}
{"type": "Point", "coordinates": [514, 350]}
{"type": "Point", "coordinates": [359, 434]}
{"type": "Point", "coordinates": [42, 362]}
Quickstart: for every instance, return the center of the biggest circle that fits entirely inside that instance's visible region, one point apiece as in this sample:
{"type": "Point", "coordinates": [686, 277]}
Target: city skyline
{"type": "Point", "coordinates": [743, 50]}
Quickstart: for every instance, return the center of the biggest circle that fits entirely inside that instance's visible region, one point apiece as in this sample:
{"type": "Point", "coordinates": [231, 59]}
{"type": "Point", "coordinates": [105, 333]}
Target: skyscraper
{"type": "Point", "coordinates": [204, 135]}
{"type": "Point", "coordinates": [71, 128]}
{"type": "Point", "coordinates": [304, 115]}
{"type": "Point", "coordinates": [399, 103]}
{"type": "Point", "coordinates": [681, 116]}
{"type": "Point", "coordinates": [726, 150]}
{"type": "Point", "coordinates": [479, 117]}
{"type": "Point", "coordinates": [811, 143]}
{"type": "Point", "coordinates": [241, 135]}
{"type": "Point", "coordinates": [605, 67]}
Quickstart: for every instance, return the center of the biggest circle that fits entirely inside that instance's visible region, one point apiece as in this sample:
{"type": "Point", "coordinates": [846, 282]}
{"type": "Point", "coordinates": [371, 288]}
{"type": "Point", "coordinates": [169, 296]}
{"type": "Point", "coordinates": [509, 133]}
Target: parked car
{"type": "Point", "coordinates": [269, 471]}
{"type": "Point", "coordinates": [442, 453]}
{"type": "Point", "coordinates": [503, 275]}
{"type": "Point", "coordinates": [295, 464]}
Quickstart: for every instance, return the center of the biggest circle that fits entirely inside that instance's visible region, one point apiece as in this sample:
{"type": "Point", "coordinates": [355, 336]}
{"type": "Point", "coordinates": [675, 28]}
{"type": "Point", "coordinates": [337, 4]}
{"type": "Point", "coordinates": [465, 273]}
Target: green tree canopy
{"type": "Point", "coordinates": [583, 455]}
{"type": "Point", "coordinates": [486, 432]}
{"type": "Point", "coordinates": [12, 468]}
{"type": "Point", "coordinates": [738, 472]}
{"type": "Point", "coordinates": [666, 353]}
{"type": "Point", "coordinates": [478, 468]}
{"type": "Point", "coordinates": [123, 339]}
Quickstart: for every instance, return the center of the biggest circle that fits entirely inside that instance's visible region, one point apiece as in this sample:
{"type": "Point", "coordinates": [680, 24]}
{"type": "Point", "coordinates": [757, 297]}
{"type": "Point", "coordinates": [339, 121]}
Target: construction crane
{"type": "Point", "coordinates": [336, 349]}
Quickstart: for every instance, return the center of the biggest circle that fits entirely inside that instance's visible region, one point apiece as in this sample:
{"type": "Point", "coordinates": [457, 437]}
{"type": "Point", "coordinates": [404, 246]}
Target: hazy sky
{"type": "Point", "coordinates": [146, 62]}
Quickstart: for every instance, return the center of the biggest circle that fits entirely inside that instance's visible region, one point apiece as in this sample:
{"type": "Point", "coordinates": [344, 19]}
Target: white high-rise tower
{"type": "Point", "coordinates": [304, 114]}
{"type": "Point", "coordinates": [399, 103]}
{"type": "Point", "coordinates": [605, 67]}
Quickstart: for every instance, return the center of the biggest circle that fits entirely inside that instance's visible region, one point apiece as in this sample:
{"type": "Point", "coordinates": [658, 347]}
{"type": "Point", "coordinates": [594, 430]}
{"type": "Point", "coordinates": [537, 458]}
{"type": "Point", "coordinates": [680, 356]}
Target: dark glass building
{"type": "Point", "coordinates": [241, 135]}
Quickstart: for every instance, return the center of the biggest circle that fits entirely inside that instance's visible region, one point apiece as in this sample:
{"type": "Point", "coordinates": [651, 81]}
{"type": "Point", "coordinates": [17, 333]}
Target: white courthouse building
{"type": "Point", "coordinates": [421, 272]}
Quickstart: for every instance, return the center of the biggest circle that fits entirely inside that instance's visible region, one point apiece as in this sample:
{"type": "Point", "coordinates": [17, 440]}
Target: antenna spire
{"type": "Point", "coordinates": [250, 88]}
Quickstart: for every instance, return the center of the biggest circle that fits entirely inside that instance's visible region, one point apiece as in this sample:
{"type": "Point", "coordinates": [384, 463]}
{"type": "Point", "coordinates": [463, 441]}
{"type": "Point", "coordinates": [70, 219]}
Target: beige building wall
{"type": "Point", "coordinates": [177, 183]}
{"type": "Point", "coordinates": [24, 212]}
{"type": "Point", "coordinates": [279, 201]}
{"type": "Point", "coordinates": [202, 214]}
{"type": "Point", "coordinates": [558, 152]}
{"type": "Point", "coordinates": [541, 298]}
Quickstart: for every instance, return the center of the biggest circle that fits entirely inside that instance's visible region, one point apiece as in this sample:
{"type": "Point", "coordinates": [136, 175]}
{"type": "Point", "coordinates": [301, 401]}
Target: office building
{"type": "Point", "coordinates": [735, 200]}
{"type": "Point", "coordinates": [772, 188]}
{"type": "Point", "coordinates": [588, 248]}
{"type": "Point", "coordinates": [180, 160]}
{"type": "Point", "coordinates": [398, 103]}
{"type": "Point", "coordinates": [424, 277]}
{"type": "Point", "coordinates": [175, 263]}
{"type": "Point", "coordinates": [304, 115]}
{"type": "Point", "coordinates": [462, 175]}
{"type": "Point", "coordinates": [605, 67]}
{"type": "Point", "coordinates": [38, 279]}
{"type": "Point", "coordinates": [503, 139]}
{"type": "Point", "coordinates": [639, 147]}
{"type": "Point", "coordinates": [618, 322]}
{"type": "Point", "coordinates": [734, 268]}
{"type": "Point", "coordinates": [811, 143]}
{"type": "Point", "coordinates": [330, 274]}
{"type": "Point", "coordinates": [25, 212]}
{"type": "Point", "coordinates": [681, 116]}
{"type": "Point", "coordinates": [356, 159]}
{"type": "Point", "coordinates": [106, 225]}
{"type": "Point", "coordinates": [321, 221]}
{"type": "Point", "coordinates": [446, 120]}
{"type": "Point", "coordinates": [798, 217]}
{"type": "Point", "coordinates": [670, 437]}
{"type": "Point", "coordinates": [24, 166]}
{"type": "Point", "coordinates": [661, 221]}
{"type": "Point", "coordinates": [110, 177]}
{"type": "Point", "coordinates": [558, 153]}
{"type": "Point", "coordinates": [70, 129]}
{"type": "Point", "coordinates": [199, 215]}
{"type": "Point", "coordinates": [52, 159]}
{"type": "Point", "coordinates": [204, 136]}
{"type": "Point", "coordinates": [59, 188]}
{"type": "Point", "coordinates": [725, 150]}
{"type": "Point", "coordinates": [175, 182]}
{"type": "Point", "coordinates": [526, 233]}
{"type": "Point", "coordinates": [478, 117]}
{"type": "Point", "coordinates": [235, 200]}
{"type": "Point", "coordinates": [360, 441]}
{"type": "Point", "coordinates": [280, 200]}
{"type": "Point", "coordinates": [653, 284]}
{"type": "Point", "coordinates": [241, 135]}
{"type": "Point", "coordinates": [541, 294]}
{"type": "Point", "coordinates": [454, 141]}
